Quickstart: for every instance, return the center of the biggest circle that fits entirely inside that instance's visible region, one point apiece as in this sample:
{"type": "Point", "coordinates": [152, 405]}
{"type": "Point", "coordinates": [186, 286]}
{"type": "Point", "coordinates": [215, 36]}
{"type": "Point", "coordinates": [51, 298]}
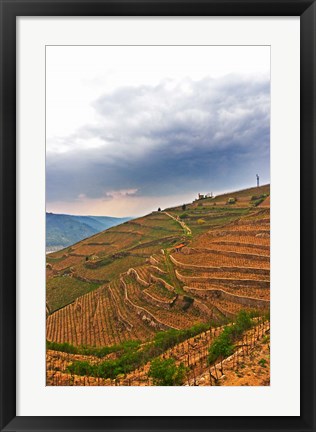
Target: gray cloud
{"type": "Point", "coordinates": [167, 139]}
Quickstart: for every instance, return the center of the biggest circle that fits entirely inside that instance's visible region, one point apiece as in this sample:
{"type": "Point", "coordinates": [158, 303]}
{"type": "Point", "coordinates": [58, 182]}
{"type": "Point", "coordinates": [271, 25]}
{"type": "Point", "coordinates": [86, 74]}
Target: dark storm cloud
{"type": "Point", "coordinates": [167, 139]}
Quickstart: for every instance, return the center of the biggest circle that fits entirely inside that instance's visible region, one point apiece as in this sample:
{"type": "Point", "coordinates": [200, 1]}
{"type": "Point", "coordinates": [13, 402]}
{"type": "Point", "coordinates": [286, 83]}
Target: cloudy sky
{"type": "Point", "coordinates": [131, 129]}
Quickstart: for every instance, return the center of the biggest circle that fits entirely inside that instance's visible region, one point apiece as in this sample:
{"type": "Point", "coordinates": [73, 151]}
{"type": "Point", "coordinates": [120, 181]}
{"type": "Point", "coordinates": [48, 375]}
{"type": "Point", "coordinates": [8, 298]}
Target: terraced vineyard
{"type": "Point", "coordinates": [168, 271]}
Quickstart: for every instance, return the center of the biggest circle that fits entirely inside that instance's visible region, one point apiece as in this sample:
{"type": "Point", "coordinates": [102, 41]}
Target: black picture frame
{"type": "Point", "coordinates": [10, 9]}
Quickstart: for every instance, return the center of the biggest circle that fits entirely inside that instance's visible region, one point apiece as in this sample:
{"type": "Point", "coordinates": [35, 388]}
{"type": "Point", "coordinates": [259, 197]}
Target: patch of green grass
{"type": "Point", "coordinates": [265, 339]}
{"type": "Point", "coordinates": [200, 229]}
{"type": "Point", "coordinates": [165, 372]}
{"type": "Point", "coordinates": [53, 260]}
{"type": "Point", "coordinates": [172, 275]}
{"type": "Point", "coordinates": [166, 278]}
{"type": "Point", "coordinates": [223, 345]}
{"type": "Point", "coordinates": [258, 201]}
{"type": "Point", "coordinates": [160, 290]}
{"type": "Point", "coordinates": [93, 351]}
{"type": "Point", "coordinates": [61, 291]}
{"type": "Point", "coordinates": [112, 270]}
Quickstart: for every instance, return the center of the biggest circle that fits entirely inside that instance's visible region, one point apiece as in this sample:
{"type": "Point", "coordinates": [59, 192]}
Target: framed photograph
{"type": "Point", "coordinates": [157, 215]}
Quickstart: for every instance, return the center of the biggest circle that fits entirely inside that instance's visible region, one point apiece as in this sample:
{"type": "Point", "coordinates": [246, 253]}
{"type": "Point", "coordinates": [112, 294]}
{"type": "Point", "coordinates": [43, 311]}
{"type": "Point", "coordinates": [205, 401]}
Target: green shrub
{"type": "Point", "coordinates": [165, 372]}
{"type": "Point", "coordinates": [231, 200]}
{"type": "Point", "coordinates": [109, 368]}
{"type": "Point", "coordinates": [258, 199]}
{"type": "Point", "coordinates": [188, 301]}
{"type": "Point", "coordinates": [243, 321]}
{"type": "Point", "coordinates": [97, 352]}
{"type": "Point", "coordinates": [223, 345]}
{"type": "Point", "coordinates": [265, 339]}
{"type": "Point", "coordinates": [80, 368]}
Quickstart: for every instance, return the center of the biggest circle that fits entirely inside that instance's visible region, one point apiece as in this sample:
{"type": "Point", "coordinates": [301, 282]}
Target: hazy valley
{"type": "Point", "coordinates": [63, 230]}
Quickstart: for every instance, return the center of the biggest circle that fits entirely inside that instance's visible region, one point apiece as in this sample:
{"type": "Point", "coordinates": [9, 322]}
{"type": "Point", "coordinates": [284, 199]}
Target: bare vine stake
{"type": "Point", "coordinates": [215, 368]}
{"type": "Point", "coordinates": [194, 378]}
{"type": "Point", "coordinates": [210, 373]}
{"type": "Point", "coordinates": [188, 378]}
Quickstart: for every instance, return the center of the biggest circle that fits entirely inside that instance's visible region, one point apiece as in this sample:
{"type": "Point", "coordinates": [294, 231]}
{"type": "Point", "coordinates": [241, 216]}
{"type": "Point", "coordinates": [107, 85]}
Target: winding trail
{"type": "Point", "coordinates": [185, 227]}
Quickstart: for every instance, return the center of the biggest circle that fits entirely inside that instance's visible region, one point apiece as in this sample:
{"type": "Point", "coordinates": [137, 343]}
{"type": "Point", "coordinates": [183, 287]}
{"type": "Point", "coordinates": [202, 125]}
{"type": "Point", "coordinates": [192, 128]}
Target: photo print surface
{"type": "Point", "coordinates": [157, 215]}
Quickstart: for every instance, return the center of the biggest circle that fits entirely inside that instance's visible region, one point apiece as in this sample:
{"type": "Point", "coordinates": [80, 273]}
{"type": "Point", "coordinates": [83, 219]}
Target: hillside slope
{"type": "Point", "coordinates": [197, 264]}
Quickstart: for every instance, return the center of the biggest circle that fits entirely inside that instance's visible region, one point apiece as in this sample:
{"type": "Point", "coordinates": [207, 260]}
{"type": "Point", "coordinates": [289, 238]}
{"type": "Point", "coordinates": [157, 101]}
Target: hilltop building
{"type": "Point", "coordinates": [179, 247]}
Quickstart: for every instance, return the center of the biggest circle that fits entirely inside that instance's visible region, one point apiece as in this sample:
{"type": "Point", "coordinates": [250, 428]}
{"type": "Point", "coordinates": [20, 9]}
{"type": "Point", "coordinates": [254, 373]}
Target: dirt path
{"type": "Point", "coordinates": [185, 227]}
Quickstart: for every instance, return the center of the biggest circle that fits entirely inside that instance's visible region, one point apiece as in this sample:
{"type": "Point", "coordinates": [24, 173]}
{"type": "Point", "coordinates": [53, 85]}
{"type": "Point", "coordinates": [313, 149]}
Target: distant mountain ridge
{"type": "Point", "coordinates": [63, 230]}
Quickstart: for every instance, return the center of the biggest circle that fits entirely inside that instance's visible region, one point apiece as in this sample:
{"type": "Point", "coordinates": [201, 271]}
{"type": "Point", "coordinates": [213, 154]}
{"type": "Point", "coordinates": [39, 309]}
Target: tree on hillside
{"type": "Point", "coordinates": [159, 209]}
{"type": "Point", "coordinates": [167, 373]}
{"type": "Point", "coordinates": [221, 348]}
{"type": "Point", "coordinates": [223, 345]}
{"type": "Point", "coordinates": [184, 207]}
